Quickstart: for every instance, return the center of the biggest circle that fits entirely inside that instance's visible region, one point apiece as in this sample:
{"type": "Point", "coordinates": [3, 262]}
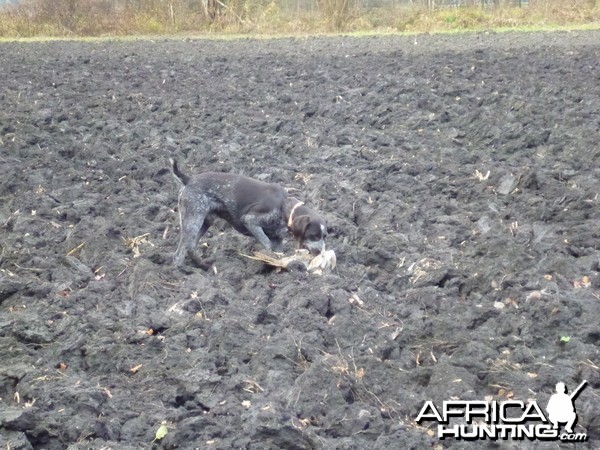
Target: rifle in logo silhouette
{"type": "Point", "coordinates": [577, 391]}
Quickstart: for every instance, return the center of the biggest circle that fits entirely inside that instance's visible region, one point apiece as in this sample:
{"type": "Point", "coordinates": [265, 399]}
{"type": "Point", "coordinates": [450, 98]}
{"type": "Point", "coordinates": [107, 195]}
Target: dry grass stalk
{"type": "Point", "coordinates": [325, 261]}
{"type": "Point", "coordinates": [134, 243]}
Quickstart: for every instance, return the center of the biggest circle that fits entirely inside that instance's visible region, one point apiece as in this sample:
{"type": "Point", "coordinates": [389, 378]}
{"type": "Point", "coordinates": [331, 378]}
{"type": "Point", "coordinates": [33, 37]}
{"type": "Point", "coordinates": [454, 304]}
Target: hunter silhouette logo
{"type": "Point", "coordinates": [561, 406]}
{"type": "Point", "coordinates": [510, 419]}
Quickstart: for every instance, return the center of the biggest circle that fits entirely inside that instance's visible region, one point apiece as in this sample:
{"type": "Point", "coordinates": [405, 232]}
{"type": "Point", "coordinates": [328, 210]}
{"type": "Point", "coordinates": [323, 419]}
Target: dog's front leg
{"type": "Point", "coordinates": [277, 239]}
{"type": "Point", "coordinates": [277, 244]}
{"type": "Point", "coordinates": [252, 225]}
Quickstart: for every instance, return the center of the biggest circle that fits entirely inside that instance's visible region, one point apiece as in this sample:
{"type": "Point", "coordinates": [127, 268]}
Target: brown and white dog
{"type": "Point", "coordinates": [252, 207]}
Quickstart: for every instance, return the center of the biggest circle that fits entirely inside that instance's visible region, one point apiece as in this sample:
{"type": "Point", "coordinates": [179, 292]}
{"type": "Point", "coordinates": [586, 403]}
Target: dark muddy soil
{"type": "Point", "coordinates": [459, 176]}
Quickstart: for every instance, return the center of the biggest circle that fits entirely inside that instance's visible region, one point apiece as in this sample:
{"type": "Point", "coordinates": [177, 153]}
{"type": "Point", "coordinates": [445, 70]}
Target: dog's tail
{"type": "Point", "coordinates": [182, 177]}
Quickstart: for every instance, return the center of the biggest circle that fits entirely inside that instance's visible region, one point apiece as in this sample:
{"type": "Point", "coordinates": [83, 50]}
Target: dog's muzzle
{"type": "Point", "coordinates": [314, 247]}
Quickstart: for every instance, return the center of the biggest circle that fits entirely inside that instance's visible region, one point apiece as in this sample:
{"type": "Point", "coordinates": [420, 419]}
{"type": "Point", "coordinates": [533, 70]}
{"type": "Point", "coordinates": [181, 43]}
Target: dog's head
{"type": "Point", "coordinates": [310, 231]}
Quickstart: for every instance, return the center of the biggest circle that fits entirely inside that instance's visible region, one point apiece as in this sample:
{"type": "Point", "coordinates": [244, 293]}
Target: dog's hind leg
{"type": "Point", "coordinates": [194, 223]}
{"type": "Point", "coordinates": [191, 232]}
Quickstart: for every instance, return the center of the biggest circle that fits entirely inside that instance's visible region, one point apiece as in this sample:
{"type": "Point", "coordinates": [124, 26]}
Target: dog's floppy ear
{"type": "Point", "coordinates": [299, 225]}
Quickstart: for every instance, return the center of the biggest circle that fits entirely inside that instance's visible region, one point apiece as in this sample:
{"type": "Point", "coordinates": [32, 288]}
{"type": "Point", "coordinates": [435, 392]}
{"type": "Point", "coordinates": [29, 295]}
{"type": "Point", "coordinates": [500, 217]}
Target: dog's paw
{"type": "Point", "coordinates": [204, 264]}
{"type": "Point", "coordinates": [157, 258]}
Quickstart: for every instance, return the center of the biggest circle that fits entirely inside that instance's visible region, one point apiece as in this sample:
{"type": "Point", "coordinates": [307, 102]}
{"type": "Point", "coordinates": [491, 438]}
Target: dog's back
{"type": "Point", "coordinates": [243, 190]}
